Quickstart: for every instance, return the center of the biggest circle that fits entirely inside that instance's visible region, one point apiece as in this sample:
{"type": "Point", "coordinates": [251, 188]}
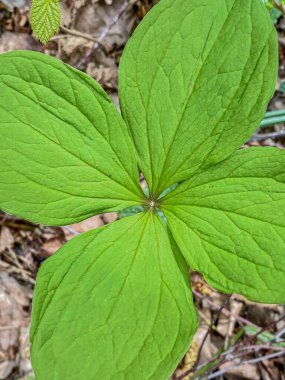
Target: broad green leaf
{"type": "Point", "coordinates": [114, 303]}
{"type": "Point", "coordinates": [45, 18]}
{"type": "Point", "coordinates": [65, 152]}
{"type": "Point", "coordinates": [229, 222]}
{"type": "Point", "coordinates": [195, 80]}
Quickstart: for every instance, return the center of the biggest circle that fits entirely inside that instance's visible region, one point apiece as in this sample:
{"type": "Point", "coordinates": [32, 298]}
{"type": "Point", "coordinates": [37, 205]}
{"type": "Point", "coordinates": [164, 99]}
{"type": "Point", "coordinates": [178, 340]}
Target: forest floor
{"type": "Point", "coordinates": [236, 339]}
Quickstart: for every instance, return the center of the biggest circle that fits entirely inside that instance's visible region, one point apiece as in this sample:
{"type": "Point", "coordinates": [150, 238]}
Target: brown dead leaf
{"type": "Point", "coordinates": [110, 217]}
{"type": "Point", "coordinates": [21, 41]}
{"type": "Point", "coordinates": [52, 245]}
{"type": "Point", "coordinates": [95, 18]}
{"type": "Point", "coordinates": [207, 352]}
{"type": "Point", "coordinates": [72, 49]}
{"type": "Point", "coordinates": [6, 239]}
{"type": "Point", "coordinates": [188, 361]}
{"type": "Point", "coordinates": [106, 76]}
{"type": "Point", "coordinates": [88, 224]}
{"type": "Point", "coordinates": [24, 350]}
{"type": "Point", "coordinates": [84, 226]}
{"type": "Point", "coordinates": [14, 301]}
{"type": "Point", "coordinates": [245, 372]}
{"type": "Point", "coordinates": [11, 4]}
{"type": "Point", "coordinates": [6, 369]}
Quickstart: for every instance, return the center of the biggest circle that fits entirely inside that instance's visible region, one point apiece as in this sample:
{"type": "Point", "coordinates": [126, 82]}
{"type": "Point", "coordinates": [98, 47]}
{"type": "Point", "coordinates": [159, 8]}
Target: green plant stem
{"type": "Point", "coordinates": [274, 113]}
{"type": "Point", "coordinates": [272, 118]}
{"type": "Point", "coordinates": [279, 7]}
{"type": "Point", "coordinates": [267, 122]}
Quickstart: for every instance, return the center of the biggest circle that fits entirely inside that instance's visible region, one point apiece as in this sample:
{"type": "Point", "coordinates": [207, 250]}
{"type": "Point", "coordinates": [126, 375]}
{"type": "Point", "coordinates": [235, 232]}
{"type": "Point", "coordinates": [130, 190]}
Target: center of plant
{"type": "Point", "coordinates": [152, 203]}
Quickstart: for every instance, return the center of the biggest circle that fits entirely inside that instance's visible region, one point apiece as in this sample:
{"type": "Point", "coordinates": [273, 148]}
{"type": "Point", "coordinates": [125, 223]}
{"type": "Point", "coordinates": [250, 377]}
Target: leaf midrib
{"type": "Point", "coordinates": [78, 110]}
{"type": "Point", "coordinates": [187, 100]}
{"type": "Point", "coordinates": [64, 148]}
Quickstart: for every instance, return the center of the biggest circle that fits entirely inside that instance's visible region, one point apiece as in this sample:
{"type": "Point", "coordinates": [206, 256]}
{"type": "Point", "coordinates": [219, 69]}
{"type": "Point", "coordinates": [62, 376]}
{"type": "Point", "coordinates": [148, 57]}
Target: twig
{"type": "Point", "coordinates": [23, 274]}
{"type": "Point", "coordinates": [240, 352]}
{"type": "Point", "coordinates": [259, 368]}
{"type": "Point", "coordinates": [71, 230]}
{"type": "Point", "coordinates": [224, 355]}
{"type": "Point", "coordinates": [279, 7]}
{"type": "Point", "coordinates": [267, 370]}
{"type": "Point", "coordinates": [213, 323]}
{"type": "Point", "coordinates": [17, 225]}
{"type": "Point", "coordinates": [11, 256]}
{"type": "Point", "coordinates": [265, 136]}
{"type": "Point", "coordinates": [210, 327]}
{"type": "Point", "coordinates": [237, 307]}
{"type": "Point", "coordinates": [84, 61]}
{"type": "Point", "coordinates": [234, 353]}
{"type": "Point", "coordinates": [267, 346]}
{"type": "Point", "coordinates": [274, 323]}
{"type": "Point", "coordinates": [226, 312]}
{"type": "Point", "coordinates": [279, 335]}
{"type": "Point", "coordinates": [77, 33]}
{"type": "Point", "coordinates": [251, 361]}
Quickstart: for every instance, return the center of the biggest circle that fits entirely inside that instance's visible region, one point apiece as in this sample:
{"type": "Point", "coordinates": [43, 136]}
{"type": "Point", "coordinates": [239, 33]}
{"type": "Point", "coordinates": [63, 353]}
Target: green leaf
{"type": "Point", "coordinates": [195, 80]}
{"type": "Point", "coordinates": [275, 14]}
{"type": "Point", "coordinates": [45, 18]}
{"type": "Point", "coordinates": [65, 152]}
{"type": "Point", "coordinates": [113, 304]}
{"type": "Point", "coordinates": [263, 337]}
{"type": "Point", "coordinates": [130, 211]}
{"type": "Point", "coordinates": [282, 87]}
{"type": "Point", "coordinates": [229, 223]}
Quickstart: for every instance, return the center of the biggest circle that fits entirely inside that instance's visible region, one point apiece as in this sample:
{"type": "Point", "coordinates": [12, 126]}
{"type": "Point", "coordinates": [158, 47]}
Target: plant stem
{"type": "Point", "coordinates": [213, 323]}
{"type": "Point", "coordinates": [251, 361]}
{"type": "Point", "coordinates": [125, 6]}
{"type": "Point", "coordinates": [224, 311]}
{"type": "Point", "coordinates": [272, 121]}
{"type": "Point", "coordinates": [274, 113]}
{"type": "Point", "coordinates": [265, 136]}
{"type": "Point", "coordinates": [77, 33]}
{"type": "Point", "coordinates": [278, 6]}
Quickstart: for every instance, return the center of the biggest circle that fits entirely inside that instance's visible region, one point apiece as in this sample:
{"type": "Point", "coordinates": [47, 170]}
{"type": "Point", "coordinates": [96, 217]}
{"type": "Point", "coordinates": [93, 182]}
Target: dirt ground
{"type": "Point", "coordinates": [237, 339]}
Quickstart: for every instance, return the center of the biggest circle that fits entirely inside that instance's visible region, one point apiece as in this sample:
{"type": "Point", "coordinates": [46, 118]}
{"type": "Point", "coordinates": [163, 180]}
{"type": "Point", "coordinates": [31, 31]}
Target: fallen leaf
{"type": "Point", "coordinates": [6, 239]}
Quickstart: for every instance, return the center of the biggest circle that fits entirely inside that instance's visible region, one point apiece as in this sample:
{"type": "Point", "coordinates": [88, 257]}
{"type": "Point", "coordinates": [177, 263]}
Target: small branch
{"type": "Point", "coordinates": [279, 7]}
{"type": "Point", "coordinates": [265, 136]}
{"type": "Point", "coordinates": [236, 352]}
{"type": "Point", "coordinates": [23, 274]}
{"type": "Point", "coordinates": [251, 361]}
{"type": "Point", "coordinates": [224, 311]}
{"type": "Point", "coordinates": [267, 346]}
{"type": "Point", "coordinates": [71, 230]}
{"type": "Point", "coordinates": [240, 352]}
{"type": "Point", "coordinates": [126, 5]}
{"type": "Point", "coordinates": [17, 225]}
{"type": "Point", "coordinates": [272, 324]}
{"type": "Point", "coordinates": [210, 327]}
{"type": "Point", "coordinates": [279, 335]}
{"type": "Point", "coordinates": [77, 33]}
{"type": "Point", "coordinates": [235, 310]}
{"type": "Point", "coordinates": [213, 323]}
